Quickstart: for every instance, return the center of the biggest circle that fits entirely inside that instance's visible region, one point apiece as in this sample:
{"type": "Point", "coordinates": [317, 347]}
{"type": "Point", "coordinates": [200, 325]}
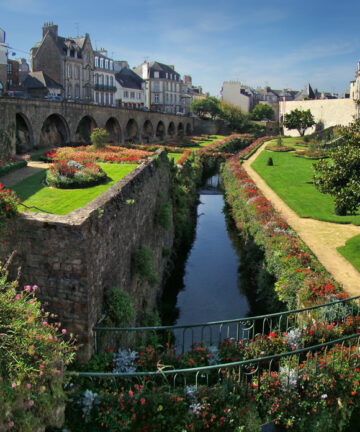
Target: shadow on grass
{"type": "Point", "coordinates": [29, 186]}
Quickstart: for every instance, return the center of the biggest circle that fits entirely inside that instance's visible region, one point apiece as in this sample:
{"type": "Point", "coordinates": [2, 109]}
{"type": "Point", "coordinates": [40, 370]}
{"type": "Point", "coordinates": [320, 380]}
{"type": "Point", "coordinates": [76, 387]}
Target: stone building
{"type": "Point", "coordinates": [24, 69]}
{"type": "Point", "coordinates": [163, 86]}
{"type": "Point", "coordinates": [3, 61]}
{"type": "Point", "coordinates": [68, 61]}
{"type": "Point", "coordinates": [39, 84]}
{"type": "Point", "coordinates": [12, 74]}
{"type": "Point", "coordinates": [355, 84]}
{"type": "Point", "coordinates": [104, 79]}
{"type": "Point", "coordinates": [130, 87]}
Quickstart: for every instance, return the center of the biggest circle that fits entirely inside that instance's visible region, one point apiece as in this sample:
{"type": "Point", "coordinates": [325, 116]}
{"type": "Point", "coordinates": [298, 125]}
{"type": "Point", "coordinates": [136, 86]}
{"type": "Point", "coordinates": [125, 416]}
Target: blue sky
{"type": "Point", "coordinates": [278, 43]}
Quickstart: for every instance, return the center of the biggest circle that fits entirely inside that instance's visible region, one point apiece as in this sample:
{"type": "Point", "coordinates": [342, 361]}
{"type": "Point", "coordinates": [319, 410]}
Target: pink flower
{"type": "Point", "coordinates": [35, 287]}
{"type": "Point", "coordinates": [31, 403]}
{"type": "Point", "coordinates": [51, 338]}
{"type": "Point", "coordinates": [13, 385]}
{"type": "Point", "coordinates": [11, 424]}
{"type": "Point", "coordinates": [45, 323]}
{"type": "Point", "coordinates": [58, 372]}
{"type": "Point", "coordinates": [27, 288]}
{"type": "Point", "coordinates": [63, 331]}
{"type": "Point", "coordinates": [18, 296]}
{"type": "Point", "coordinates": [41, 373]}
{"type": "Point", "coordinates": [28, 385]}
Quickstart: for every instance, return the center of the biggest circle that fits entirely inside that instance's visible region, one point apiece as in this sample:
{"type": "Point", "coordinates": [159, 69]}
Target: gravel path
{"type": "Point", "coordinates": [322, 237]}
{"type": "Point", "coordinates": [21, 174]}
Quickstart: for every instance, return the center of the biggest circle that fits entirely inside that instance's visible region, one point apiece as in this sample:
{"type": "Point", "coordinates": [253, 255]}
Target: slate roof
{"type": "Point", "coordinates": [129, 79]}
{"type": "Point", "coordinates": [36, 80]}
{"type": "Point", "coordinates": [62, 43]}
{"type": "Point", "coordinates": [157, 66]}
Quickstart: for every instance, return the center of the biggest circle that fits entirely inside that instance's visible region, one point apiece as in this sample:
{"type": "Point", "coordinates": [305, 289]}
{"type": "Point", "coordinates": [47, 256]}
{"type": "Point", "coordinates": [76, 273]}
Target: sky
{"type": "Point", "coordinates": [283, 44]}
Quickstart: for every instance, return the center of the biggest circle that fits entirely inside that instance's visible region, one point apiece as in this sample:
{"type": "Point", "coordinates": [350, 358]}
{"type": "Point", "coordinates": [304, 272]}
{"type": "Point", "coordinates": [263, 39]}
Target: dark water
{"type": "Point", "coordinates": [206, 286]}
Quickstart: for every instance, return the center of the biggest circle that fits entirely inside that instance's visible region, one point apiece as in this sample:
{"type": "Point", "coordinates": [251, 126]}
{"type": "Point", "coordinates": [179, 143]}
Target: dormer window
{"type": "Point", "coordinates": [96, 61]}
{"type": "Point", "coordinates": [156, 74]}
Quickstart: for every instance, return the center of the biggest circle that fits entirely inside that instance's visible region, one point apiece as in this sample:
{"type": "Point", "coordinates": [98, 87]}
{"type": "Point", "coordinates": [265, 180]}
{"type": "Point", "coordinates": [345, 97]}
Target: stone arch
{"type": "Point", "coordinates": [160, 130]}
{"type": "Point", "coordinates": [54, 132]}
{"type": "Point", "coordinates": [132, 131]}
{"type": "Point", "coordinates": [147, 131]}
{"type": "Point", "coordinates": [24, 134]}
{"type": "Point", "coordinates": [188, 129]}
{"type": "Point", "coordinates": [114, 130]}
{"type": "Point", "coordinates": [171, 129]}
{"type": "Point", "coordinates": [180, 129]}
{"type": "Point", "coordinates": [84, 130]}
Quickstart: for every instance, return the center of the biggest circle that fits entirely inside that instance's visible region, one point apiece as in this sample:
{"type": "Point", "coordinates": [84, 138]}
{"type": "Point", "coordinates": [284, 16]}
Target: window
{"type": "Point", "coordinates": [177, 87]}
{"type": "Point", "coordinates": [102, 79]}
{"type": "Point", "coordinates": [139, 96]}
{"type": "Point", "coordinates": [69, 92]}
{"type": "Point", "coordinates": [156, 98]}
{"type": "Point", "coordinates": [170, 98]}
{"type": "Point", "coordinates": [156, 74]}
{"type": "Point", "coordinates": [171, 76]}
{"type": "Point", "coordinates": [167, 97]}
{"type": "Point", "coordinates": [112, 81]}
{"type": "Point", "coordinates": [126, 94]}
{"type": "Point", "coordinates": [69, 71]}
{"type": "Point", "coordinates": [96, 61]}
{"type": "Point", "coordinates": [106, 98]}
{"type": "Point", "coordinates": [167, 75]}
{"type": "Point", "coordinates": [101, 63]}
{"type": "Point", "coordinates": [107, 80]}
{"type": "Point", "coordinates": [76, 72]}
{"type": "Point", "coordinates": [132, 95]}
{"type": "Point", "coordinates": [77, 92]}
{"type": "Point", "coordinates": [111, 99]}
{"type": "Point", "coordinates": [157, 86]}
{"type": "Point", "coordinates": [97, 97]}
{"type": "Point", "coordinates": [9, 68]}
{"type": "Point", "coordinates": [111, 65]}
{"type": "Point", "coordinates": [102, 98]}
{"type": "Point", "coordinates": [106, 64]}
{"type": "Point", "coordinates": [169, 86]}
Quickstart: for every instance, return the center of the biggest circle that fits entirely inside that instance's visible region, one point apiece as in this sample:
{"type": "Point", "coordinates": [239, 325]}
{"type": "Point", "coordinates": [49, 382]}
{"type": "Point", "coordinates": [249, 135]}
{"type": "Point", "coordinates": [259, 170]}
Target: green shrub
{"type": "Point", "coordinates": [270, 162]}
{"type": "Point", "coordinates": [98, 138]}
{"type": "Point", "coordinates": [12, 166]}
{"type": "Point", "coordinates": [119, 308]}
{"type": "Point", "coordinates": [33, 358]}
{"type": "Point", "coordinates": [163, 215]}
{"type": "Point", "coordinates": [144, 266]}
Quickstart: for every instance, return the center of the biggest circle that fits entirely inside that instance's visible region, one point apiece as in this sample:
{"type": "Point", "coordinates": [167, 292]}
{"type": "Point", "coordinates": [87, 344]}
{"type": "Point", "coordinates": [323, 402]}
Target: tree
{"type": "Point", "coordinates": [205, 106]}
{"type": "Point", "coordinates": [98, 138]}
{"type": "Point", "coordinates": [340, 176]}
{"type": "Point", "coordinates": [262, 111]}
{"type": "Point", "coordinates": [236, 119]}
{"type": "Point", "coordinates": [299, 120]}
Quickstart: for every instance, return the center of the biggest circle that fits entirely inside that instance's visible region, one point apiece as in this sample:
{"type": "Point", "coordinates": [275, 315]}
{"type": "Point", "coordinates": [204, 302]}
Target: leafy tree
{"type": "Point", "coordinates": [98, 138]}
{"type": "Point", "coordinates": [205, 106]}
{"type": "Point", "coordinates": [262, 111]}
{"type": "Point", "coordinates": [299, 120]}
{"type": "Point", "coordinates": [237, 120]}
{"type": "Point", "coordinates": [340, 176]}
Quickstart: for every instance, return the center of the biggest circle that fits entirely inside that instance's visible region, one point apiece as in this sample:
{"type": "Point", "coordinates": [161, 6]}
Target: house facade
{"type": "Point", "coordinates": [3, 61]}
{"type": "Point", "coordinates": [130, 88]}
{"type": "Point", "coordinates": [355, 84]}
{"type": "Point", "coordinates": [104, 79]}
{"type": "Point", "coordinates": [68, 61]}
{"type": "Point", "coordinates": [39, 84]}
{"type": "Point", "coordinates": [163, 86]}
{"type": "Point", "coordinates": [12, 74]}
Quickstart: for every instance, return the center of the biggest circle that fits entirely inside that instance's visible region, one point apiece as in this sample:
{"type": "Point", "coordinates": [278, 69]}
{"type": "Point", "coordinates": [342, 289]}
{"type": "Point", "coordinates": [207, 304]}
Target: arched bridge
{"type": "Point", "coordinates": [36, 124]}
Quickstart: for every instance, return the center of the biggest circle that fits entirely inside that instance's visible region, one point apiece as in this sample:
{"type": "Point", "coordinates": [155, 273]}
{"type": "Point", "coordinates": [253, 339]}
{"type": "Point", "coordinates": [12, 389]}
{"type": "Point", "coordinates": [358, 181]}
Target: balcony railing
{"type": "Point", "coordinates": [105, 87]}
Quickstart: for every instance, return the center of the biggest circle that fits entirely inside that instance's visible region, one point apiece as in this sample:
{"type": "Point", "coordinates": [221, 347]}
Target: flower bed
{"type": "Point", "coordinates": [306, 154]}
{"type": "Point", "coordinates": [301, 278]}
{"type": "Point", "coordinates": [69, 174]}
{"type": "Point", "coordinates": [251, 149]}
{"type": "Point", "coordinates": [109, 154]}
{"type": "Point", "coordinates": [277, 148]}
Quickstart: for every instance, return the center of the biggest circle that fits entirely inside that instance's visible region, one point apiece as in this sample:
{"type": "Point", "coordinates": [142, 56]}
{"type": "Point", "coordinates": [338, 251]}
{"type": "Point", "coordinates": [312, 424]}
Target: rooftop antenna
{"type": "Point", "coordinates": [77, 29]}
{"type": "Point", "coordinates": [146, 59]}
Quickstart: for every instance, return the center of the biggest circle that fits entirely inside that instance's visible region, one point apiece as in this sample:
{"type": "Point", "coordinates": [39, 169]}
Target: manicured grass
{"type": "Point", "coordinates": [296, 142]}
{"type": "Point", "coordinates": [33, 192]}
{"type": "Point", "coordinates": [291, 179]}
{"type": "Point", "coordinates": [351, 251]}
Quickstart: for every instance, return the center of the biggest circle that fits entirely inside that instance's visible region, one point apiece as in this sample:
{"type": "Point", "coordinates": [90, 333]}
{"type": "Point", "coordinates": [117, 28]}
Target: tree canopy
{"type": "Point", "coordinates": [236, 119]}
{"type": "Point", "coordinates": [262, 111]}
{"type": "Point", "coordinates": [205, 106]}
{"type": "Point", "coordinates": [299, 120]}
{"type": "Point", "coordinates": [339, 176]}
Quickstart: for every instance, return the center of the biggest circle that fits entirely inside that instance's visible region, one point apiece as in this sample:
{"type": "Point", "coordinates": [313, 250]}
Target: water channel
{"type": "Point", "coordinates": [206, 286]}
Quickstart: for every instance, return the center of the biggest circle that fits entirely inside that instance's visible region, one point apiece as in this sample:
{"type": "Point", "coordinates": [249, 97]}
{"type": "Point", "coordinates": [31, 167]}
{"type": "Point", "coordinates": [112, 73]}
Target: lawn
{"type": "Point", "coordinates": [351, 251]}
{"type": "Point", "coordinates": [175, 156]}
{"type": "Point", "coordinates": [296, 142]}
{"type": "Point", "coordinates": [291, 179]}
{"type": "Point", "coordinates": [33, 192]}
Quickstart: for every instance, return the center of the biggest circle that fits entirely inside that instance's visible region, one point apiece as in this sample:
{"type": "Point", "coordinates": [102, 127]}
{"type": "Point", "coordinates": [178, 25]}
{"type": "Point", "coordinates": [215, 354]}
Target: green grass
{"type": "Point", "coordinates": [351, 251]}
{"type": "Point", "coordinates": [33, 193]}
{"type": "Point", "coordinates": [291, 179]}
{"type": "Point", "coordinates": [296, 142]}
{"type": "Point", "coordinates": [175, 156]}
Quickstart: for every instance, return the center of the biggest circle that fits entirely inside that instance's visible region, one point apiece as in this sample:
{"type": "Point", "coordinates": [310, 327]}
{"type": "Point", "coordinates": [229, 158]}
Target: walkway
{"type": "Point", "coordinates": [20, 174]}
{"type": "Point", "coordinates": [322, 237]}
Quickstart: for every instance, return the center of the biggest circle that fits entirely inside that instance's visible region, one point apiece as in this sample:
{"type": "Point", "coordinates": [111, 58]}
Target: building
{"type": "Point", "coordinates": [39, 84]}
{"type": "Point", "coordinates": [355, 84]}
{"type": "Point", "coordinates": [12, 74]}
{"type": "Point", "coordinates": [67, 61]}
{"type": "Point", "coordinates": [24, 69]}
{"type": "Point", "coordinates": [104, 79]}
{"type": "Point", "coordinates": [3, 61]}
{"type": "Point", "coordinates": [238, 94]}
{"type": "Point", "coordinates": [163, 86]}
{"type": "Point", "coordinates": [130, 87]}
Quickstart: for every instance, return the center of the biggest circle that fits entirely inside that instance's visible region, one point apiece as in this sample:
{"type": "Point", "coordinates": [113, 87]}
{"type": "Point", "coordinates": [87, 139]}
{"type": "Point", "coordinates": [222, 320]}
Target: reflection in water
{"type": "Point", "coordinates": [208, 288]}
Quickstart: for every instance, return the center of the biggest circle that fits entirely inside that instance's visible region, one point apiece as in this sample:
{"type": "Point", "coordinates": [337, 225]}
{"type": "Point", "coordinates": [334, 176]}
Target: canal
{"type": "Point", "coordinates": [205, 285]}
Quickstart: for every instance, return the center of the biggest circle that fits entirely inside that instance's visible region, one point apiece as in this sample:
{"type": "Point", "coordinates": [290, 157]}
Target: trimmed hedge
{"type": "Point", "coordinates": [12, 166]}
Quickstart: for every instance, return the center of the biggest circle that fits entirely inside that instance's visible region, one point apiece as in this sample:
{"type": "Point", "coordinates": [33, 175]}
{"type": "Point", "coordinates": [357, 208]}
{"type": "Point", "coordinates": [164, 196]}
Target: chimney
{"type": "Point", "coordinates": [51, 28]}
{"type": "Point", "coordinates": [103, 52]}
{"type": "Point", "coordinates": [172, 67]}
{"type": "Point", "coordinates": [187, 79]}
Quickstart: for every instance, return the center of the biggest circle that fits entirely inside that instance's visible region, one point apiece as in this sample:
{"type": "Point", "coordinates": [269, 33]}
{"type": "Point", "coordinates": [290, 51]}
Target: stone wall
{"type": "Point", "coordinates": [209, 127]}
{"type": "Point", "coordinates": [331, 112]}
{"type": "Point", "coordinates": [74, 258]}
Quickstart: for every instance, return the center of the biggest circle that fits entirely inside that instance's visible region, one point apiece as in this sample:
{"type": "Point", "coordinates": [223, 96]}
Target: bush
{"type": "Point", "coordinates": [98, 138]}
{"type": "Point", "coordinates": [270, 162]}
{"type": "Point", "coordinates": [33, 357]}
{"type": "Point", "coordinates": [69, 174]}
{"type": "Point", "coordinates": [12, 166]}
{"type": "Point", "coordinates": [119, 308]}
{"type": "Point", "coordinates": [163, 215]}
{"type": "Point", "coordinates": [144, 266]}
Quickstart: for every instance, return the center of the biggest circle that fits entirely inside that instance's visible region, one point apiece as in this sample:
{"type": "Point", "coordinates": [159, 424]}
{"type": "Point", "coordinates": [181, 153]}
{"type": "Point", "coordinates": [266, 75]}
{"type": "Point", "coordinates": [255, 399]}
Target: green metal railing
{"type": "Point", "coordinates": [338, 354]}
{"type": "Point", "coordinates": [212, 333]}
